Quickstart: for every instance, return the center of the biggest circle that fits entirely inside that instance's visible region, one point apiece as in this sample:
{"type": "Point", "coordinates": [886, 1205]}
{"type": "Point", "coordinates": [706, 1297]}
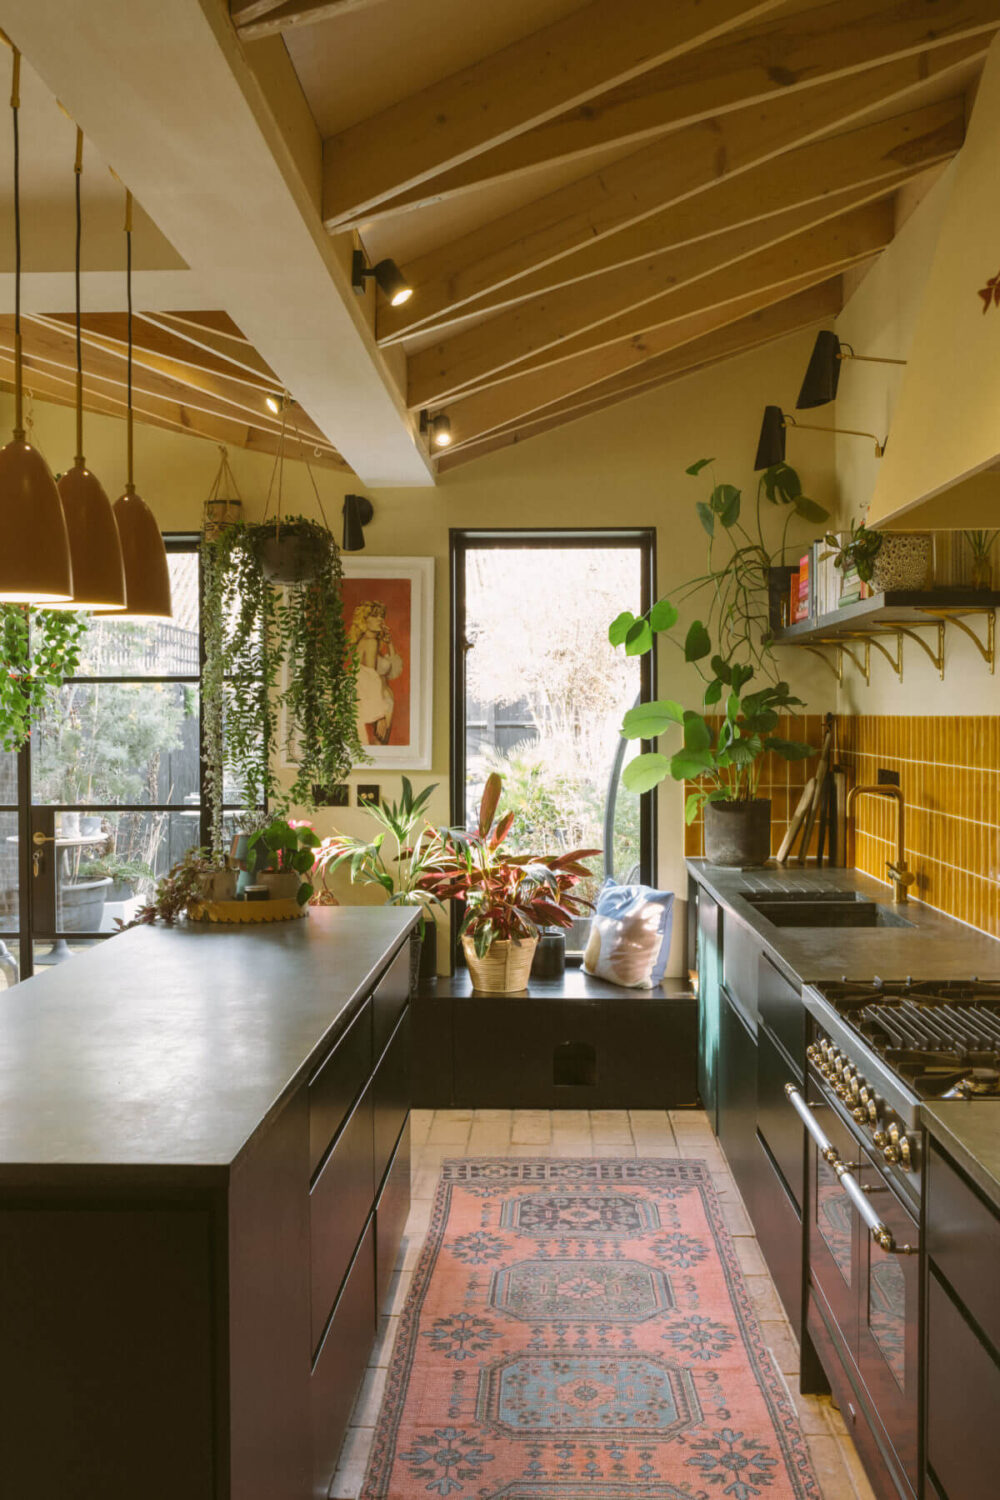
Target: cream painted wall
{"type": "Point", "coordinates": [624, 467]}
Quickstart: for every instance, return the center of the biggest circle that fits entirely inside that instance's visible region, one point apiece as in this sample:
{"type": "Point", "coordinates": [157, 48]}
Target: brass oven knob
{"type": "Point", "coordinates": [865, 1095]}
{"type": "Point", "coordinates": [881, 1139]}
{"type": "Point", "coordinates": [858, 1114]}
{"type": "Point", "coordinates": [872, 1109]}
{"type": "Point", "coordinates": [856, 1086]}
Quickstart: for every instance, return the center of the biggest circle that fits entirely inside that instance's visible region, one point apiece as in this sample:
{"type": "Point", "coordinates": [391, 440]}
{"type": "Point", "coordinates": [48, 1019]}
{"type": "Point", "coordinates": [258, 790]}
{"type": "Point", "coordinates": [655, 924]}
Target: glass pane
{"type": "Point", "coordinates": [887, 1311]}
{"type": "Point", "coordinates": [105, 877]}
{"type": "Point", "coordinates": [9, 921]}
{"type": "Point", "coordinates": [114, 742]}
{"type": "Point", "coordinates": [48, 954]}
{"type": "Point", "coordinates": [833, 1218]}
{"type": "Point", "coordinates": [157, 648]}
{"type": "Point", "coordinates": [546, 693]}
{"type": "Point", "coordinates": [8, 778]}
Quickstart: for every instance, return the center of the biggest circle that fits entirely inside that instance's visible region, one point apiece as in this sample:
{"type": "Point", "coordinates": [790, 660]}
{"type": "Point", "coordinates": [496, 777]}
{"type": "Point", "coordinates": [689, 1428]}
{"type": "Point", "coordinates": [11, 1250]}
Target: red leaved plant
{"type": "Point", "coordinates": [506, 896]}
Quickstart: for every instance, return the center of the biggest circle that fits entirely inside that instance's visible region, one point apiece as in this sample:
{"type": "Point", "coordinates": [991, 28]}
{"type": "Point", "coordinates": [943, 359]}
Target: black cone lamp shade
{"type": "Point", "coordinates": [357, 512]}
{"type": "Point", "coordinates": [771, 444]}
{"type": "Point", "coordinates": [823, 373]}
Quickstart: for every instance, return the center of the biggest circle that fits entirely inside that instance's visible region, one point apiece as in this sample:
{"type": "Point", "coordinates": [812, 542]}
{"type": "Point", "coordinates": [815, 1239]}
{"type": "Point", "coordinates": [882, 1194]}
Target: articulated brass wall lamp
{"type": "Point", "coordinates": [773, 429]}
{"type": "Point", "coordinates": [823, 371]}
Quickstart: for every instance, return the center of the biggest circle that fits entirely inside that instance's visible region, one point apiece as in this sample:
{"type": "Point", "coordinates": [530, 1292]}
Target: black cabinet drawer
{"type": "Point", "coordinates": [740, 955]}
{"type": "Point", "coordinates": [391, 1213]}
{"type": "Point", "coordinates": [963, 1400]}
{"type": "Point", "coordinates": [738, 1096]}
{"type": "Point", "coordinates": [341, 1363]}
{"type": "Point", "coordinates": [780, 1009]}
{"type": "Point", "coordinates": [391, 1097]}
{"type": "Point", "coordinates": [335, 1087]}
{"type": "Point", "coordinates": [388, 999]}
{"type": "Point", "coordinates": [963, 1240]}
{"type": "Point", "coordinates": [778, 1223]}
{"type": "Point", "coordinates": [777, 1122]}
{"type": "Point", "coordinates": [339, 1204]}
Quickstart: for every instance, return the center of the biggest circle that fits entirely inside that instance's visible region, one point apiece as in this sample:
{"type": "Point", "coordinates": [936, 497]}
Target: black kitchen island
{"type": "Point", "coordinates": [204, 1177]}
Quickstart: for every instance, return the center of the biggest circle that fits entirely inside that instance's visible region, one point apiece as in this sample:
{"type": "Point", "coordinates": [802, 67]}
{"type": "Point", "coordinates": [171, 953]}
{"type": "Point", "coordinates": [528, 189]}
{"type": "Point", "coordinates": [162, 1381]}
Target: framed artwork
{"type": "Point", "coordinates": [389, 615]}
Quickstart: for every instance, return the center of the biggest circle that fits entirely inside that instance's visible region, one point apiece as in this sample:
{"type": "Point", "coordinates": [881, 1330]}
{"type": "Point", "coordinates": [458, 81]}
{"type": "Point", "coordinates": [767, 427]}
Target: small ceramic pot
{"type": "Point", "coordinates": [283, 885]}
{"type": "Point", "coordinates": [220, 885]}
{"type": "Point", "coordinates": [738, 834]}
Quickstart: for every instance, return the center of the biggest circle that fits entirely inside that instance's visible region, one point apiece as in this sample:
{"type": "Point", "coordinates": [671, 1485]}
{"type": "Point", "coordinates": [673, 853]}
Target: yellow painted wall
{"type": "Point", "coordinates": [623, 467]}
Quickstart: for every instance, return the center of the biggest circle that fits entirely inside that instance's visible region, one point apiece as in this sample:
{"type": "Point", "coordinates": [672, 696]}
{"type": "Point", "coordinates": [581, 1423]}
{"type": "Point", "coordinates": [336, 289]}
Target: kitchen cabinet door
{"type": "Point", "coordinates": [737, 1096]}
{"type": "Point", "coordinates": [709, 973]}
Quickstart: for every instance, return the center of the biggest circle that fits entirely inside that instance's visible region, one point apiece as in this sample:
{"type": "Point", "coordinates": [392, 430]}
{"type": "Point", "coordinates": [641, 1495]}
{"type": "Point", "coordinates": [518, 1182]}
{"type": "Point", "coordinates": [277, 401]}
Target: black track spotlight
{"type": "Point", "coordinates": [823, 373]}
{"type": "Point", "coordinates": [437, 429]}
{"type": "Point", "coordinates": [387, 276]}
{"type": "Point", "coordinates": [771, 443]}
{"type": "Point", "coordinates": [357, 511]}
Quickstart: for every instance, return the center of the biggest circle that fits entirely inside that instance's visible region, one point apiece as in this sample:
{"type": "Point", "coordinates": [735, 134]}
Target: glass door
{"type": "Point", "coordinates": [10, 874]}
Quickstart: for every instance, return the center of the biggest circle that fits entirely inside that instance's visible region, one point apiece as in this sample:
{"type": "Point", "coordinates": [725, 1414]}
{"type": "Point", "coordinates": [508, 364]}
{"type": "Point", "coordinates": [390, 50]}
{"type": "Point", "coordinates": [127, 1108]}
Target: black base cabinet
{"type": "Point", "coordinates": [737, 1096]}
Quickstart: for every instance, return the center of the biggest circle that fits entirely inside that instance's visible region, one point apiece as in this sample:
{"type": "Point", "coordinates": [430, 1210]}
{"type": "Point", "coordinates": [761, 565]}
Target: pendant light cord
{"type": "Point", "coordinates": [130, 485]}
{"type": "Point", "coordinates": [79, 337]}
{"type": "Point", "coordinates": [15, 101]}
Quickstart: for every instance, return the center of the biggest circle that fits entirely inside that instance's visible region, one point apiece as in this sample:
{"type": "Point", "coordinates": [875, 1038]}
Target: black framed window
{"type": "Point", "coordinates": [538, 693]}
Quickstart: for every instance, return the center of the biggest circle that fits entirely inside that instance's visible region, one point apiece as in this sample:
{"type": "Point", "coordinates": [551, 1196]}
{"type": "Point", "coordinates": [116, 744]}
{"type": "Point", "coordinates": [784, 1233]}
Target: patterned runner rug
{"type": "Point", "coordinates": [581, 1330]}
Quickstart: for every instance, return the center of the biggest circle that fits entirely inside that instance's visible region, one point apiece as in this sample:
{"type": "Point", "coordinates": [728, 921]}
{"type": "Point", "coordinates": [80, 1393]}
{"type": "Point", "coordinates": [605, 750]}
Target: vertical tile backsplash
{"type": "Point", "coordinates": [949, 773]}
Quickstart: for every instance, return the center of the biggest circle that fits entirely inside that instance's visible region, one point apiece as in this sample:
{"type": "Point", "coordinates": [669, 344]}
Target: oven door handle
{"type": "Point", "coordinates": [880, 1233]}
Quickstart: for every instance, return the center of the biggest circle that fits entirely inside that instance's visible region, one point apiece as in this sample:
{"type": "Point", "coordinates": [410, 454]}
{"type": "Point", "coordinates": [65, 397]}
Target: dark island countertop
{"type": "Point", "coordinates": [968, 1130]}
{"type": "Point", "coordinates": [933, 947]}
{"type": "Point", "coordinates": [167, 1049]}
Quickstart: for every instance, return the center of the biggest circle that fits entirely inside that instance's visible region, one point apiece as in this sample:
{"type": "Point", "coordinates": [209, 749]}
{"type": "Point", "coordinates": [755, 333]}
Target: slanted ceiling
{"type": "Point", "coordinates": [594, 199]}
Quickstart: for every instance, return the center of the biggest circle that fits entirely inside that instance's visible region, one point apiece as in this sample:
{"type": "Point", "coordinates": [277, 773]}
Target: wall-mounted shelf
{"type": "Point", "coordinates": [850, 633]}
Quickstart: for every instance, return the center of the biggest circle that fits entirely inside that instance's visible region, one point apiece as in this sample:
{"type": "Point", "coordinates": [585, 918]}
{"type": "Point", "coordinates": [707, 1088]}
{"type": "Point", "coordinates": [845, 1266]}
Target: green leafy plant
{"type": "Point", "coordinates": [178, 889]}
{"type": "Point", "coordinates": [127, 871]}
{"type": "Point", "coordinates": [859, 550]}
{"type": "Point", "coordinates": [286, 846]}
{"type": "Point", "coordinates": [726, 761]}
{"type": "Point", "coordinates": [507, 897]}
{"type": "Point", "coordinates": [38, 650]}
{"type": "Point", "coordinates": [369, 862]}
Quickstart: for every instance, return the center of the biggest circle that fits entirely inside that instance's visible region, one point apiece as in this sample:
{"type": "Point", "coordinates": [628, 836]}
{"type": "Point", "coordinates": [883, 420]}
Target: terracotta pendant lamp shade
{"type": "Point", "coordinates": [98, 574]}
{"type": "Point", "coordinates": [35, 563]}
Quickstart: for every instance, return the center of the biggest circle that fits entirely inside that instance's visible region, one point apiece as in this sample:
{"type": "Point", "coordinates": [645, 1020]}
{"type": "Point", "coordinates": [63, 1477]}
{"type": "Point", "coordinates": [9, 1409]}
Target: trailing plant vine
{"type": "Point", "coordinates": [38, 650]}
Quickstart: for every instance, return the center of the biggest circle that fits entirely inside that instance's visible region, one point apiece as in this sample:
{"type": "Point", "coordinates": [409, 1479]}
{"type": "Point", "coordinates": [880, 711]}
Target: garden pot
{"type": "Point", "coordinates": [288, 557]}
{"type": "Point", "coordinates": [219, 514]}
{"type": "Point", "coordinates": [550, 956]}
{"type": "Point", "coordinates": [121, 890]}
{"type": "Point", "coordinates": [738, 833]}
{"type": "Point", "coordinates": [505, 968]}
{"type": "Point", "coordinates": [81, 905]}
{"type": "Point", "coordinates": [904, 561]}
{"type": "Point", "coordinates": [282, 885]}
{"type": "Point", "coordinates": [220, 885]}
{"type": "Point", "coordinates": [423, 955]}
{"type": "Point", "coordinates": [90, 824]}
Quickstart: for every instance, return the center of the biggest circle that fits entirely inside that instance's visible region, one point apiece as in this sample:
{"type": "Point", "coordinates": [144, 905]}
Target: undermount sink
{"type": "Point", "coordinates": [823, 909]}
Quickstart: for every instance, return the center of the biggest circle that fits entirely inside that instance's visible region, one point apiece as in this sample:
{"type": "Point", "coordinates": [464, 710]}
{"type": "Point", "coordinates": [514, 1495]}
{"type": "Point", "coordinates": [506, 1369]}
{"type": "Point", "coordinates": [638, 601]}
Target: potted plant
{"type": "Point", "coordinates": [398, 871]}
{"type": "Point", "coordinates": [280, 856]}
{"type": "Point", "coordinates": [290, 550]}
{"type": "Point", "coordinates": [886, 560]}
{"type": "Point", "coordinates": [724, 757]}
{"type": "Point", "coordinates": [508, 898]}
{"type": "Point", "coordinates": [38, 649]}
{"type": "Point", "coordinates": [980, 544]}
{"type": "Point", "coordinates": [184, 885]}
{"type": "Point", "coordinates": [124, 874]}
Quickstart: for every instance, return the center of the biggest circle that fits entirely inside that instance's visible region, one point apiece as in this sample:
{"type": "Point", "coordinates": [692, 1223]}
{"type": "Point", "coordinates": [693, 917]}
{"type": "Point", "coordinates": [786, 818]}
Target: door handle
{"type": "Point", "coordinates": [42, 838]}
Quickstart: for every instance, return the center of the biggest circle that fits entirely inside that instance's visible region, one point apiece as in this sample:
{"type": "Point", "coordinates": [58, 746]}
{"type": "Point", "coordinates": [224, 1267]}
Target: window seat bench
{"type": "Point", "coordinates": [569, 1043]}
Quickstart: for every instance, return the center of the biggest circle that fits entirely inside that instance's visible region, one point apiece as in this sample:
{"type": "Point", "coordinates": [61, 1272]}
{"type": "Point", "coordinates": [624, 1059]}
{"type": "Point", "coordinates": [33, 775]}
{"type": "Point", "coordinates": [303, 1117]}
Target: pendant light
{"type": "Point", "coordinates": [95, 548]}
{"type": "Point", "coordinates": [147, 577]}
{"type": "Point", "coordinates": [35, 565]}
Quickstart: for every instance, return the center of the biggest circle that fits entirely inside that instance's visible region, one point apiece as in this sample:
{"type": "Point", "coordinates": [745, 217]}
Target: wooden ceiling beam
{"type": "Point", "coordinates": [151, 337]}
{"type": "Point", "coordinates": [804, 310]}
{"type": "Point", "coordinates": [875, 158]}
{"type": "Point", "coordinates": [267, 17]}
{"type": "Point", "coordinates": [778, 57]}
{"type": "Point", "coordinates": [564, 318]}
{"type": "Point", "coordinates": [498, 406]}
{"type": "Point", "coordinates": [536, 78]}
{"type": "Point", "coordinates": [228, 346]}
{"type": "Point", "coordinates": [685, 163]}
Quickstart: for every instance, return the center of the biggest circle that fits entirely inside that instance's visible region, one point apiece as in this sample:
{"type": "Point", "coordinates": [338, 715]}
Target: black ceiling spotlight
{"type": "Point", "coordinates": [771, 443]}
{"type": "Point", "coordinates": [823, 371]}
{"type": "Point", "coordinates": [438, 428]}
{"type": "Point", "coordinates": [387, 275]}
{"type": "Point", "coordinates": [357, 511]}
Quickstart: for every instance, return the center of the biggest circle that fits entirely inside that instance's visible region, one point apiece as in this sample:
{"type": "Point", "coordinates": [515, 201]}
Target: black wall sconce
{"type": "Point", "coordinates": [387, 276]}
{"type": "Point", "coordinates": [437, 429]}
{"type": "Point", "coordinates": [773, 430]}
{"type": "Point", "coordinates": [823, 371]}
{"type": "Point", "coordinates": [357, 511]}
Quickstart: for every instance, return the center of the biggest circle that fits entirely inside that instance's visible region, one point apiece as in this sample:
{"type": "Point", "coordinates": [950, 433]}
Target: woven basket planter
{"type": "Point", "coordinates": [505, 968]}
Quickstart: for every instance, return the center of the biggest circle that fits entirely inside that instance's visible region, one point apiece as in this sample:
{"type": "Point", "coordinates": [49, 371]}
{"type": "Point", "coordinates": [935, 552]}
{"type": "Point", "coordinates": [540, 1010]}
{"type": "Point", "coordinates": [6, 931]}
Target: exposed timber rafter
{"type": "Point", "coordinates": [258, 18]}
{"type": "Point", "coordinates": [628, 191]}
{"type": "Point", "coordinates": [496, 98]}
{"type": "Point", "coordinates": [777, 57]}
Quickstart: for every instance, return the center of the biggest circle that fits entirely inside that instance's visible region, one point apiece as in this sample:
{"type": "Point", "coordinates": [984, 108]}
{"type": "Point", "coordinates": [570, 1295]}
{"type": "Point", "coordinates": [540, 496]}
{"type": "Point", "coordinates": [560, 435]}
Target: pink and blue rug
{"type": "Point", "coordinates": [581, 1330]}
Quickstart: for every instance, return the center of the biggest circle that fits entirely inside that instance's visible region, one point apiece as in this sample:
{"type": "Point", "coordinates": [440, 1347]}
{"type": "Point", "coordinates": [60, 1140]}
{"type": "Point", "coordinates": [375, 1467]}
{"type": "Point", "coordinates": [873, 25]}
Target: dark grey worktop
{"type": "Point", "coordinates": [167, 1048]}
{"type": "Point", "coordinates": [935, 947]}
{"type": "Point", "coordinates": [969, 1131]}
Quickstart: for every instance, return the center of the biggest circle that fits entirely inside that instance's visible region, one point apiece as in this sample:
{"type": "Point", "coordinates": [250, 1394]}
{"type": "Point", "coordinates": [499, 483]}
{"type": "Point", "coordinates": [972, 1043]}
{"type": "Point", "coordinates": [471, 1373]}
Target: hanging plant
{"type": "Point", "coordinates": [39, 649]}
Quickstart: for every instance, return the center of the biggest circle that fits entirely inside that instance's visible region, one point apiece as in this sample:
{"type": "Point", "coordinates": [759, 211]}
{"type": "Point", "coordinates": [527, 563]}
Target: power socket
{"type": "Point", "coordinates": [886, 777]}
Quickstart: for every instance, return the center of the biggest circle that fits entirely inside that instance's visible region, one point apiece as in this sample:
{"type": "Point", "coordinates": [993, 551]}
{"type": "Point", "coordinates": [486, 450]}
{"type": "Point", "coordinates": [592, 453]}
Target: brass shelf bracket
{"type": "Point", "coordinates": [875, 639]}
{"type": "Point", "coordinates": [862, 663]}
{"type": "Point", "coordinates": [987, 648]}
{"type": "Point", "coordinates": [836, 667]}
{"type": "Point", "coordinates": [937, 657]}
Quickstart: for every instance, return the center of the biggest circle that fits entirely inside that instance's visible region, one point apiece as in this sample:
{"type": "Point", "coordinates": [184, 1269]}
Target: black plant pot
{"type": "Point", "coordinates": [288, 557]}
{"type": "Point", "coordinates": [423, 955]}
{"type": "Point", "coordinates": [549, 961]}
{"type": "Point", "coordinates": [738, 834]}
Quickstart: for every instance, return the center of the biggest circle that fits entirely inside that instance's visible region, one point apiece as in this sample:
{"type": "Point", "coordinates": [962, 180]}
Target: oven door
{"type": "Point", "coordinates": [888, 1320]}
{"type": "Point", "coordinates": [834, 1231]}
